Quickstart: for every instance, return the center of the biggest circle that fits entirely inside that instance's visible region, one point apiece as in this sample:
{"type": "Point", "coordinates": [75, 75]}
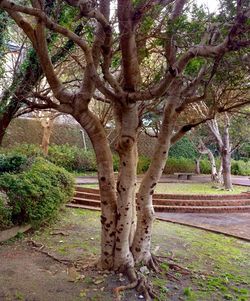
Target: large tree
{"type": "Point", "coordinates": [146, 52]}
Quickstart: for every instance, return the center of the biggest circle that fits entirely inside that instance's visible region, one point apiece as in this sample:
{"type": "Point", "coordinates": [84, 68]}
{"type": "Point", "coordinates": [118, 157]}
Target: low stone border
{"type": "Point", "coordinates": [12, 232]}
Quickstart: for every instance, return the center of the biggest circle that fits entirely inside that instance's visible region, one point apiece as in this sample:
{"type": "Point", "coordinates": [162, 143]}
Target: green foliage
{"type": "Point", "coordinates": [28, 150]}
{"type": "Point", "coordinates": [143, 164]}
{"type": "Point", "coordinates": [179, 165]}
{"type": "Point", "coordinates": [240, 167]}
{"type": "Point", "coordinates": [12, 163]}
{"type": "Point", "coordinates": [5, 215]}
{"type": "Point", "coordinates": [116, 162]}
{"type": "Point", "coordinates": [183, 148]}
{"type": "Point", "coordinates": [69, 157]}
{"type": "Point", "coordinates": [194, 66]}
{"type": "Point", "coordinates": [205, 166]}
{"type": "Point", "coordinates": [36, 194]}
{"type": "Point", "coordinates": [174, 165]}
{"type": "Point", "coordinates": [72, 158]}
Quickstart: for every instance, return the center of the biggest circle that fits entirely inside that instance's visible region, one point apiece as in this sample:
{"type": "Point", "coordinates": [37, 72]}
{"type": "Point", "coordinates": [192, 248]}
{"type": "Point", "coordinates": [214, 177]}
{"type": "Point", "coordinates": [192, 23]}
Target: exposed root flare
{"type": "Point", "coordinates": [154, 264]}
{"type": "Point", "coordinates": [178, 268]}
{"type": "Point", "coordinates": [145, 288]}
{"type": "Point", "coordinates": [131, 273]}
{"type": "Point", "coordinates": [138, 283]}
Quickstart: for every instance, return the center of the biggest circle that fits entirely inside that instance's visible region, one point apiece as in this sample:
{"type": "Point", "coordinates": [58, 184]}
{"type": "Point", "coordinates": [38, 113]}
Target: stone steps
{"type": "Point", "coordinates": [89, 198]}
{"type": "Point", "coordinates": [91, 191]}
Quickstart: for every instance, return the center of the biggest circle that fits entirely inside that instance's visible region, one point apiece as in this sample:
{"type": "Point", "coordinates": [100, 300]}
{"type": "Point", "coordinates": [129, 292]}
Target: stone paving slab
{"type": "Point", "coordinates": [233, 224]}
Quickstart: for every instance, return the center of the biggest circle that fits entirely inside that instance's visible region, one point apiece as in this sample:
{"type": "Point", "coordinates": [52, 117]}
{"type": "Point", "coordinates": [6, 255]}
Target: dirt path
{"type": "Point", "coordinates": [32, 276]}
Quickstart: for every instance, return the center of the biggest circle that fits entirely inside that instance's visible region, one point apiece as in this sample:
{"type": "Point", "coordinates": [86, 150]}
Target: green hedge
{"type": "Point", "coordinates": [143, 164]}
{"type": "Point", "coordinates": [76, 159]}
{"type": "Point", "coordinates": [36, 194]}
{"type": "Point", "coordinates": [69, 157]}
{"type": "Point", "coordinates": [183, 149]}
{"type": "Point", "coordinates": [12, 163]}
{"type": "Point", "coordinates": [240, 167]}
{"type": "Point", "coordinates": [5, 215]}
{"type": "Point", "coordinates": [72, 158]}
{"type": "Point", "coordinates": [179, 165]}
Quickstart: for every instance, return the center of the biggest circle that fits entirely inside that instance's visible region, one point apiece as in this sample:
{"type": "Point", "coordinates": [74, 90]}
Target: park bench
{"type": "Point", "coordinates": [181, 175]}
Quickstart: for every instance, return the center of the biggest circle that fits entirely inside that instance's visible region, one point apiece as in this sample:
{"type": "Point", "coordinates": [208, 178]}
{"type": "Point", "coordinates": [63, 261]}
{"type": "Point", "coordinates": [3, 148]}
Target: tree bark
{"type": "Point", "coordinates": [226, 156]}
{"type": "Point", "coordinates": [127, 121]}
{"type": "Point", "coordinates": [106, 181]}
{"type": "Point", "coordinates": [145, 214]}
{"type": "Point", "coordinates": [47, 131]}
{"type": "Point", "coordinates": [197, 166]}
{"type": "Point", "coordinates": [205, 150]}
{"type": "Point", "coordinates": [224, 146]}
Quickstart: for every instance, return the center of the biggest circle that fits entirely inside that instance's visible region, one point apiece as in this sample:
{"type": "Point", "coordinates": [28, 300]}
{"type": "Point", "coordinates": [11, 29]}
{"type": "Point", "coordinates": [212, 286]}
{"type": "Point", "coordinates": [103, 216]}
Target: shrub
{"type": "Point", "coordinates": [69, 157]}
{"type": "Point", "coordinates": [143, 164]}
{"type": "Point", "coordinates": [179, 165]}
{"type": "Point", "coordinates": [5, 215]}
{"type": "Point", "coordinates": [28, 150]}
{"type": "Point", "coordinates": [240, 167]}
{"type": "Point", "coordinates": [72, 158]}
{"type": "Point", "coordinates": [36, 194]}
{"type": "Point", "coordinates": [84, 161]}
{"type": "Point", "coordinates": [183, 149]}
{"type": "Point", "coordinates": [12, 163]}
{"type": "Point", "coordinates": [205, 166]}
{"type": "Point", "coordinates": [116, 162]}
{"type": "Point", "coordinates": [62, 155]}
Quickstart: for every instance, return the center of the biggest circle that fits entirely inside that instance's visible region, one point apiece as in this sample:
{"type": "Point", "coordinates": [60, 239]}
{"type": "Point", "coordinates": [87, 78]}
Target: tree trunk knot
{"type": "Point", "coordinates": [126, 143]}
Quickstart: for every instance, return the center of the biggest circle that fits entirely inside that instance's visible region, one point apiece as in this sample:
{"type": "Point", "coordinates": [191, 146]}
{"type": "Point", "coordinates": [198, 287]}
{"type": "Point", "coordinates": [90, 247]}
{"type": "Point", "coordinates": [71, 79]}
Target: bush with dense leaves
{"type": "Point", "coordinates": [179, 165]}
{"type": "Point", "coordinates": [12, 163]}
{"type": "Point", "coordinates": [240, 167]}
{"type": "Point", "coordinates": [35, 194]}
{"type": "Point", "coordinates": [28, 150]}
{"type": "Point", "coordinates": [5, 214]}
{"type": "Point", "coordinates": [143, 164]}
{"type": "Point", "coordinates": [69, 157]}
{"type": "Point", "coordinates": [183, 149]}
{"type": "Point", "coordinates": [72, 158]}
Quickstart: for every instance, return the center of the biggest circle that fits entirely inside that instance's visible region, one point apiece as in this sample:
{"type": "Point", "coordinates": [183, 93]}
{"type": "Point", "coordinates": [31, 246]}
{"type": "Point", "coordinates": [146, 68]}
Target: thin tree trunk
{"type": "Point", "coordinates": [145, 217]}
{"type": "Point", "coordinates": [226, 171]}
{"type": "Point", "coordinates": [5, 120]}
{"type": "Point", "coordinates": [226, 156]}
{"type": "Point", "coordinates": [197, 166]}
{"type": "Point", "coordinates": [106, 181]}
{"type": "Point", "coordinates": [206, 151]}
{"type": "Point", "coordinates": [47, 131]}
{"type": "Point", "coordinates": [127, 120]}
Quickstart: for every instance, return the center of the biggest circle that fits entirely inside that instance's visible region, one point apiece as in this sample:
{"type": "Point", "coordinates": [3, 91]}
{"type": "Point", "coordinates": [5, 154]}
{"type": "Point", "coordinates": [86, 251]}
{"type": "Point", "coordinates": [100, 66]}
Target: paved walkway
{"type": "Point", "coordinates": [233, 224]}
{"type": "Point", "coordinates": [237, 180]}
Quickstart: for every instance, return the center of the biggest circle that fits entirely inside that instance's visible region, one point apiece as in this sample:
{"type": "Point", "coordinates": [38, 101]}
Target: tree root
{"type": "Point", "coordinates": [172, 265]}
{"type": "Point", "coordinates": [39, 248]}
{"type": "Point", "coordinates": [131, 273]}
{"type": "Point", "coordinates": [139, 283]}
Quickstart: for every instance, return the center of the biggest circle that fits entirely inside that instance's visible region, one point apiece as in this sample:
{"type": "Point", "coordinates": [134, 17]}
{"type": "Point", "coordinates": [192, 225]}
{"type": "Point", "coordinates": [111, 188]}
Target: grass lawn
{"type": "Point", "coordinates": [218, 266]}
{"type": "Point", "coordinates": [188, 188]}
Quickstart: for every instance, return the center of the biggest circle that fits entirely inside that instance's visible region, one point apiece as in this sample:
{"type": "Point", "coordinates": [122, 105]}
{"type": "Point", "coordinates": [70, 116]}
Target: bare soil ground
{"type": "Point", "coordinates": [56, 263]}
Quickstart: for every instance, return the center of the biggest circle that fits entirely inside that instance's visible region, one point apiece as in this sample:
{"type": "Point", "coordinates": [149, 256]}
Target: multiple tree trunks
{"type": "Point", "coordinates": [127, 219]}
{"type": "Point", "coordinates": [223, 141]}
